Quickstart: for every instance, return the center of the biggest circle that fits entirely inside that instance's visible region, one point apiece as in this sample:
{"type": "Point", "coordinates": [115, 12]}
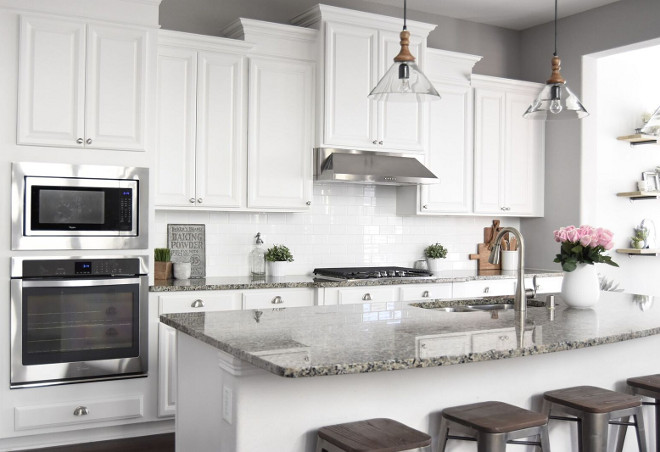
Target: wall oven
{"type": "Point", "coordinates": [58, 206]}
{"type": "Point", "coordinates": [78, 319]}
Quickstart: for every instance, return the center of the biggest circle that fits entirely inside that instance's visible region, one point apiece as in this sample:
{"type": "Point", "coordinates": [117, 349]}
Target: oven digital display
{"type": "Point", "coordinates": [83, 268]}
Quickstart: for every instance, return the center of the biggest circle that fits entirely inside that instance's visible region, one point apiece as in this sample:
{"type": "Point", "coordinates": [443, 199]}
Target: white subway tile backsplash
{"type": "Point", "coordinates": [348, 225]}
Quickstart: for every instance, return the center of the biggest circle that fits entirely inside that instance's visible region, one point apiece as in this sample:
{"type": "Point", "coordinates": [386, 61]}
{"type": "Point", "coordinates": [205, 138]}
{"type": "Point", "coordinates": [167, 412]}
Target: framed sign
{"type": "Point", "coordinates": [187, 243]}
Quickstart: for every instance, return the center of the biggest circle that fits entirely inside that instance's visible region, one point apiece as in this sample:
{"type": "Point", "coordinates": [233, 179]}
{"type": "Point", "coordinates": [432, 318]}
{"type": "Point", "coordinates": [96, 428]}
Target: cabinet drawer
{"type": "Point", "coordinates": [491, 287]}
{"type": "Point", "coordinates": [199, 302]}
{"type": "Point", "coordinates": [78, 412]}
{"type": "Point", "coordinates": [280, 298]}
{"type": "Point", "coordinates": [414, 292]}
{"type": "Point", "coordinates": [370, 294]}
{"type": "Point", "coordinates": [550, 284]}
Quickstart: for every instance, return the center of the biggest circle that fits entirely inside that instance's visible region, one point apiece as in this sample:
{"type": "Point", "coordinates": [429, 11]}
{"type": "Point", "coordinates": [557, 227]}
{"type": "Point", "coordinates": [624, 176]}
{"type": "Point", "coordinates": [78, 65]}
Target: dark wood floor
{"type": "Point", "coordinates": [154, 443]}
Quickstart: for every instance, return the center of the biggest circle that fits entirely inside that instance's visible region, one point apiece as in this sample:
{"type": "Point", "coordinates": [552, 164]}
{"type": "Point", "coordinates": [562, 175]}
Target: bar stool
{"type": "Point", "coordinates": [647, 386]}
{"type": "Point", "coordinates": [594, 409]}
{"type": "Point", "coordinates": [493, 425]}
{"type": "Point", "coordinates": [373, 435]}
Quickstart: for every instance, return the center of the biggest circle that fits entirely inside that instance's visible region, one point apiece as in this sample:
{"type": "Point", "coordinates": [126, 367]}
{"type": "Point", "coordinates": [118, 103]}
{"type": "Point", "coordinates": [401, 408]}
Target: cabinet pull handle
{"type": "Point", "coordinates": [199, 200]}
{"type": "Point", "coordinates": [277, 300]}
{"type": "Point", "coordinates": [375, 142]}
{"type": "Point", "coordinates": [192, 200]}
{"type": "Point", "coordinates": [425, 294]}
{"type": "Point", "coordinates": [88, 141]}
{"type": "Point", "coordinates": [380, 142]}
{"type": "Point", "coordinates": [81, 411]}
{"type": "Point", "coordinates": [486, 289]}
{"type": "Point", "coordinates": [80, 141]}
{"type": "Point", "coordinates": [199, 303]}
{"type": "Point", "coordinates": [309, 203]}
{"type": "Point", "coordinates": [425, 206]}
{"type": "Point", "coordinates": [366, 297]}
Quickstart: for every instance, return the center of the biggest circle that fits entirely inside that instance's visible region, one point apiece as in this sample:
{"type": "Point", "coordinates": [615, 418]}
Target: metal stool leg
{"type": "Point", "coordinates": [621, 434]}
{"type": "Point", "coordinates": [442, 435]}
{"type": "Point", "coordinates": [491, 442]}
{"type": "Point", "coordinates": [639, 428]}
{"type": "Point", "coordinates": [657, 424]}
{"type": "Point", "coordinates": [594, 432]}
{"type": "Point", "coordinates": [544, 439]}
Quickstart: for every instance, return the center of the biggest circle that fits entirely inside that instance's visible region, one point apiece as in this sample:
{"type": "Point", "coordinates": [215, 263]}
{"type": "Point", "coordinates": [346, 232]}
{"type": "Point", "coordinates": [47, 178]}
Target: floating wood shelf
{"type": "Point", "coordinates": [643, 252]}
{"type": "Point", "coordinates": [640, 194]}
{"type": "Point", "coordinates": [639, 138]}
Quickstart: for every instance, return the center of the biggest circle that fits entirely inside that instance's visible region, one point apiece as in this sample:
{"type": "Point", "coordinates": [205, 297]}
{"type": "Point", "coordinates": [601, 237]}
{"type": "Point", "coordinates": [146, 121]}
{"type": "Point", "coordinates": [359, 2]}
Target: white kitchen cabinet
{"type": "Point", "coordinates": [280, 133]}
{"type": "Point", "coordinates": [174, 303]}
{"type": "Point", "coordinates": [356, 295]}
{"type": "Point", "coordinates": [277, 298]}
{"type": "Point", "coordinates": [483, 288]}
{"type": "Point", "coordinates": [358, 48]}
{"type": "Point", "coordinates": [201, 109]}
{"type": "Point", "coordinates": [82, 85]}
{"type": "Point", "coordinates": [508, 149]}
{"type": "Point", "coordinates": [423, 292]}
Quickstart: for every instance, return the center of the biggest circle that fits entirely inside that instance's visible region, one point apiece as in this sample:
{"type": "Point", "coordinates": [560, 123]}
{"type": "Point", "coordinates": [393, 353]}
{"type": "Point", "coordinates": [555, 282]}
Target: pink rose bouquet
{"type": "Point", "coordinates": [584, 245]}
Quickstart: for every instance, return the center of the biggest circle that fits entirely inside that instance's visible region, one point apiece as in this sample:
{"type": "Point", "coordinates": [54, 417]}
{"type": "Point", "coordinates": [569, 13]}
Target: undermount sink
{"type": "Point", "coordinates": [492, 307]}
{"type": "Point", "coordinates": [473, 305]}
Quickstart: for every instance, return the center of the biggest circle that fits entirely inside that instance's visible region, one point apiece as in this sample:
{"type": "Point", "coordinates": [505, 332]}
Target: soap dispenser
{"type": "Point", "coordinates": [258, 258]}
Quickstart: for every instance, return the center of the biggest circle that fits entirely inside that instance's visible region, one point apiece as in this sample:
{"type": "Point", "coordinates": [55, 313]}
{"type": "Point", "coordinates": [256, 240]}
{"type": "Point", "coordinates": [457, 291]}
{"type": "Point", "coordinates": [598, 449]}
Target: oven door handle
{"type": "Point", "coordinates": [80, 282]}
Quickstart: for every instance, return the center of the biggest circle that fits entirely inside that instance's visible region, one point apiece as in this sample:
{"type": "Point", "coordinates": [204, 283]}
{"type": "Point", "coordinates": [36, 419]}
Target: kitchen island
{"type": "Point", "coordinates": [268, 379]}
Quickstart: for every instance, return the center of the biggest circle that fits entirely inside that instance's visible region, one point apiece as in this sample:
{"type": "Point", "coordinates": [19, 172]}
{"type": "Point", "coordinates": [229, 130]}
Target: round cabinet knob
{"type": "Point", "coordinates": [486, 289]}
{"type": "Point", "coordinates": [192, 200]}
{"type": "Point", "coordinates": [277, 300]}
{"type": "Point", "coordinates": [199, 303]}
{"type": "Point", "coordinates": [380, 142]}
{"type": "Point", "coordinates": [88, 141]}
{"type": "Point", "coordinates": [375, 142]}
{"type": "Point", "coordinates": [309, 203]}
{"type": "Point", "coordinates": [199, 200]}
{"type": "Point", "coordinates": [366, 297]}
{"type": "Point", "coordinates": [81, 411]}
{"type": "Point", "coordinates": [503, 208]}
{"type": "Point", "coordinates": [425, 206]}
{"type": "Point", "coordinates": [80, 141]}
{"type": "Point", "coordinates": [425, 294]}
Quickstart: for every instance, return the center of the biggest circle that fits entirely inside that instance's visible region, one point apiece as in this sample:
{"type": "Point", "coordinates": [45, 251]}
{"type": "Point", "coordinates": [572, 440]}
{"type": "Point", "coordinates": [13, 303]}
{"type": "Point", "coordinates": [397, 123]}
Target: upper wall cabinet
{"type": "Point", "coordinates": [508, 149]}
{"type": "Point", "coordinates": [201, 109]}
{"type": "Point", "coordinates": [449, 147]}
{"type": "Point", "coordinates": [82, 85]}
{"type": "Point", "coordinates": [357, 50]}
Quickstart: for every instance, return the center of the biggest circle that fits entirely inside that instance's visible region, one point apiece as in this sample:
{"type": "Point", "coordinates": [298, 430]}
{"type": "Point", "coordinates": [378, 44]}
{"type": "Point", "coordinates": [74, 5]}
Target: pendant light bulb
{"type": "Point", "coordinates": [556, 101]}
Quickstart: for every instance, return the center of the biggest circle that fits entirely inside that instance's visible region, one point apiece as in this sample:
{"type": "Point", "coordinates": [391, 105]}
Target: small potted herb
{"type": "Point", "coordinates": [277, 256]}
{"type": "Point", "coordinates": [162, 264]}
{"type": "Point", "coordinates": [434, 254]}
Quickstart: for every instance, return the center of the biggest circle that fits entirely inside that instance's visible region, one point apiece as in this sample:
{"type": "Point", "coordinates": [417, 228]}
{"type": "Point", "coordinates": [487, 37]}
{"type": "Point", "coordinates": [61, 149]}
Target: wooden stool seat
{"type": "Point", "coordinates": [374, 435]}
{"type": "Point", "coordinates": [494, 417]}
{"type": "Point", "coordinates": [648, 386]}
{"type": "Point", "coordinates": [649, 383]}
{"type": "Point", "coordinates": [591, 399]}
{"type": "Point", "coordinates": [493, 425]}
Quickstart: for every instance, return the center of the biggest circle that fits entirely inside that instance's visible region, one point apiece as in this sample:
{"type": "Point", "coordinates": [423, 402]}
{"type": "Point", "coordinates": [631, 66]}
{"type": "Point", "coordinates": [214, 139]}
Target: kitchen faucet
{"type": "Point", "coordinates": [520, 297]}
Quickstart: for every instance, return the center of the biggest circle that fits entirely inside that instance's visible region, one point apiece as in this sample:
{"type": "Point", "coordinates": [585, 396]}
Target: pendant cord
{"type": "Point", "coordinates": [555, 54]}
{"type": "Point", "coordinates": [404, 15]}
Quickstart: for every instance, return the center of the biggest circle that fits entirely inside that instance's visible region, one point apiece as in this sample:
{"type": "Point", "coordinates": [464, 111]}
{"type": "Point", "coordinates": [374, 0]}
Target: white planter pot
{"type": "Point", "coordinates": [277, 268]}
{"type": "Point", "coordinates": [435, 265]}
{"type": "Point", "coordinates": [182, 270]}
{"type": "Point", "coordinates": [580, 288]}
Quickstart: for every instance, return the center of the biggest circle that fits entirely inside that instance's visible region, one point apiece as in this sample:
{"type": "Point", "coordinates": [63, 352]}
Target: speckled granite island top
{"type": "Point", "coordinates": [374, 337]}
{"type": "Point", "coordinates": [301, 281]}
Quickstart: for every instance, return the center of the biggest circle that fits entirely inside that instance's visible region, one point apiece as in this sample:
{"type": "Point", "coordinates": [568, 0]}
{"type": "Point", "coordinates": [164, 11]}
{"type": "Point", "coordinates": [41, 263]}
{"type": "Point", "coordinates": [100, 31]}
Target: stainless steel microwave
{"type": "Point", "coordinates": [58, 206]}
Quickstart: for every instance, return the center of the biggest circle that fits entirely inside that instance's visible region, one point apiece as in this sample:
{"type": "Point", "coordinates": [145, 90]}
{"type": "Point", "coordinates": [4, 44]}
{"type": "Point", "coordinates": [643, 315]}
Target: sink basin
{"type": "Point", "coordinates": [472, 305]}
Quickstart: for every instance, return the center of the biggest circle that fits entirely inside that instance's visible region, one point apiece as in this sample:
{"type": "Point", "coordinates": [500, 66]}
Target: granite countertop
{"type": "Point", "coordinates": [306, 281]}
{"type": "Point", "coordinates": [374, 337]}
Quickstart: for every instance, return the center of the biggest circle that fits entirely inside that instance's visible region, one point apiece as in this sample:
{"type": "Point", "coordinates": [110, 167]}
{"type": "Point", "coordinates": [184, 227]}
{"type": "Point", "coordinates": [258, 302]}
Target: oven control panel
{"type": "Point", "coordinates": [80, 267]}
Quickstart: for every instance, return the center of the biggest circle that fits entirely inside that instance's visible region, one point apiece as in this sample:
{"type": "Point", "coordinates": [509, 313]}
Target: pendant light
{"type": "Point", "coordinates": [404, 82]}
{"type": "Point", "coordinates": [556, 101]}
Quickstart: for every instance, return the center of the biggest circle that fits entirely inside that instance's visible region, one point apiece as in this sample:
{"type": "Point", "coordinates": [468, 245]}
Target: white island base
{"type": "Point", "coordinates": [227, 405]}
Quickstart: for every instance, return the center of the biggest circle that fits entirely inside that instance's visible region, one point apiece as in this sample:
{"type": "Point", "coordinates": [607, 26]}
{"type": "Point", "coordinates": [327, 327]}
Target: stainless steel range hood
{"type": "Point", "coordinates": [369, 167]}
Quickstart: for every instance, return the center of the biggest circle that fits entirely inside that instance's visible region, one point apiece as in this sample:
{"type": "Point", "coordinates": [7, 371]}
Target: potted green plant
{"type": "Point", "coordinates": [162, 264]}
{"type": "Point", "coordinates": [277, 256]}
{"type": "Point", "coordinates": [435, 254]}
{"type": "Point", "coordinates": [638, 241]}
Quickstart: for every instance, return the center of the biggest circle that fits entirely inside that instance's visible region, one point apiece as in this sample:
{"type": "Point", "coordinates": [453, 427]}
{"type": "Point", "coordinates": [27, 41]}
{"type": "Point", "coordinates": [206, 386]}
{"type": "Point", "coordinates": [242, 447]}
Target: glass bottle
{"type": "Point", "coordinates": [258, 258]}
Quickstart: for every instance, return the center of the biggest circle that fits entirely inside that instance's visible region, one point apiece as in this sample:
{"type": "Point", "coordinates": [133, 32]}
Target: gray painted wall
{"type": "Point", "coordinates": [499, 47]}
{"type": "Point", "coordinates": [615, 25]}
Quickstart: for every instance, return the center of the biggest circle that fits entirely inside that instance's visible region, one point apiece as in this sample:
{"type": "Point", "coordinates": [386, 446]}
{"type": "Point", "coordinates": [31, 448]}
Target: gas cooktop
{"type": "Point", "coordinates": [355, 273]}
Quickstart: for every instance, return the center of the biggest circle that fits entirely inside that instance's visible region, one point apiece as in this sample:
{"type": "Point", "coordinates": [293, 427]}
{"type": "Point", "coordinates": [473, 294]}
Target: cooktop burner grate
{"type": "Point", "coordinates": [348, 273]}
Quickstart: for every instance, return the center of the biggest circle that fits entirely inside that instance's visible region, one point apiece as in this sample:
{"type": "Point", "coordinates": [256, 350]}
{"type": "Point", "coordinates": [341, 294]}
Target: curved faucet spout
{"type": "Point", "coordinates": [520, 297]}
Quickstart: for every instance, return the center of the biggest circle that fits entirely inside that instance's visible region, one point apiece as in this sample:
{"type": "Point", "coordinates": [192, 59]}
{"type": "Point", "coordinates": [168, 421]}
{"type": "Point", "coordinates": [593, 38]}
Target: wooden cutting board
{"type": "Point", "coordinates": [483, 253]}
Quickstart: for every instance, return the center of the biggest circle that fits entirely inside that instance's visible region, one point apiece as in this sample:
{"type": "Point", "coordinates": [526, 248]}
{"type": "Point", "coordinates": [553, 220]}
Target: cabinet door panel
{"type": "Point", "coordinates": [176, 116]}
{"type": "Point", "coordinates": [280, 133]}
{"type": "Point", "coordinates": [350, 74]}
{"type": "Point", "coordinates": [115, 112]}
{"type": "Point", "coordinates": [401, 124]}
{"type": "Point", "coordinates": [51, 82]}
{"type": "Point", "coordinates": [488, 144]}
{"type": "Point", "coordinates": [220, 155]}
{"type": "Point", "coordinates": [449, 153]}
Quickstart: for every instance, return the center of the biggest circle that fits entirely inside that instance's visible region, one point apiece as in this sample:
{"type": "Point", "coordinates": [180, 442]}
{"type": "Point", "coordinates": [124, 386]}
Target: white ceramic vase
{"type": "Point", "coordinates": [435, 265]}
{"type": "Point", "coordinates": [580, 288]}
{"type": "Point", "coordinates": [277, 268]}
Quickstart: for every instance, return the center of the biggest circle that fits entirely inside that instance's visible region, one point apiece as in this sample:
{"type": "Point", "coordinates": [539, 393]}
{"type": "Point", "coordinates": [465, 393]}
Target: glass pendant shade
{"type": "Point", "coordinates": [555, 102]}
{"type": "Point", "coordinates": [404, 82]}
